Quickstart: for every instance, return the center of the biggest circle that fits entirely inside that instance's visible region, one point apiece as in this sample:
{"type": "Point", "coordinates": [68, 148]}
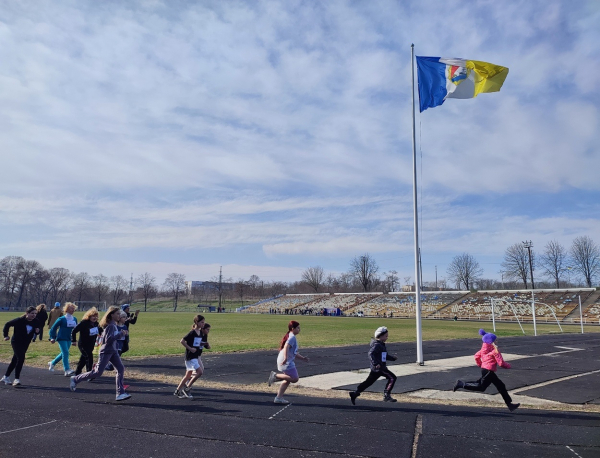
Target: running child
{"type": "Point", "coordinates": [88, 333]}
{"type": "Point", "coordinates": [378, 357]}
{"type": "Point", "coordinates": [488, 359]}
{"type": "Point", "coordinates": [288, 352]}
{"type": "Point", "coordinates": [25, 327]}
{"type": "Point", "coordinates": [42, 317]}
{"type": "Point", "coordinates": [61, 332]}
{"type": "Point", "coordinates": [194, 342]}
{"type": "Point", "coordinates": [108, 353]}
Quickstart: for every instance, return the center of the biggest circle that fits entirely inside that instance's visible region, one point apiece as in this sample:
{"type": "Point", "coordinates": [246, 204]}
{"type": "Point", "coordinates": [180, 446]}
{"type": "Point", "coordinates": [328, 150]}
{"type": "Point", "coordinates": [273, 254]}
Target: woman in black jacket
{"type": "Point", "coordinates": [25, 327]}
{"type": "Point", "coordinates": [42, 317]}
{"type": "Point", "coordinates": [88, 332]}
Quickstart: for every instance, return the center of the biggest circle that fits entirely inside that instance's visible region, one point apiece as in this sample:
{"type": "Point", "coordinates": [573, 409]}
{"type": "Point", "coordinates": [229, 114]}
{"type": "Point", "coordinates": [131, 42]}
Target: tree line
{"type": "Point", "coordinates": [554, 267]}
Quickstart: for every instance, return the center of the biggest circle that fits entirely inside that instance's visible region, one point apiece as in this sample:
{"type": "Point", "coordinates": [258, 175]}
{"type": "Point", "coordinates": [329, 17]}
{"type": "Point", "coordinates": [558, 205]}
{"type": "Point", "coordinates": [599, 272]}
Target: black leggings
{"type": "Point", "coordinates": [86, 359]}
{"type": "Point", "coordinates": [372, 378]}
{"type": "Point", "coordinates": [487, 378]}
{"type": "Point", "coordinates": [18, 359]}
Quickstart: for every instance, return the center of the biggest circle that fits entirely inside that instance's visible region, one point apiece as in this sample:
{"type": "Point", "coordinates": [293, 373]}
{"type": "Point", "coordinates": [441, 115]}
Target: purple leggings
{"type": "Point", "coordinates": [103, 361]}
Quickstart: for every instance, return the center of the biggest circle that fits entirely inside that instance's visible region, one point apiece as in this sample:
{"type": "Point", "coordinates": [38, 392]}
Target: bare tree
{"type": "Point", "coordinates": [585, 257]}
{"type": "Point", "coordinates": [147, 282]}
{"type": "Point", "coordinates": [516, 263]}
{"type": "Point", "coordinates": [59, 283]}
{"type": "Point", "coordinates": [81, 283]}
{"type": "Point", "coordinates": [241, 287]}
{"type": "Point", "coordinates": [364, 270]}
{"type": "Point", "coordinates": [26, 271]}
{"type": "Point", "coordinates": [9, 267]}
{"type": "Point", "coordinates": [553, 261]}
{"type": "Point", "coordinates": [175, 284]}
{"type": "Point", "coordinates": [464, 270]}
{"type": "Point", "coordinates": [100, 285]}
{"type": "Point", "coordinates": [118, 284]}
{"type": "Point", "coordinates": [391, 281]}
{"type": "Point", "coordinates": [313, 277]}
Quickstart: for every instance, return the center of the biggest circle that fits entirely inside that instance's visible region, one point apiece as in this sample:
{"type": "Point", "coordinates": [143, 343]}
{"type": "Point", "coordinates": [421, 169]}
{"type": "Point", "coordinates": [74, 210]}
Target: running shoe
{"type": "Point", "coordinates": [50, 366]}
{"type": "Point", "coordinates": [353, 397]}
{"type": "Point", "coordinates": [123, 396]}
{"type": "Point", "coordinates": [280, 401]}
{"type": "Point", "coordinates": [272, 378]}
{"type": "Point", "coordinates": [512, 407]}
{"type": "Point", "coordinates": [73, 384]}
{"type": "Point", "coordinates": [17, 382]}
{"type": "Point", "coordinates": [187, 389]}
{"type": "Point", "coordinates": [69, 373]}
{"type": "Point", "coordinates": [6, 380]}
{"type": "Point", "coordinates": [186, 394]}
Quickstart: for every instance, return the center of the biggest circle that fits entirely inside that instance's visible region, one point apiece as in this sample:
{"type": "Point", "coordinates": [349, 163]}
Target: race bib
{"type": "Point", "coordinates": [383, 356]}
{"type": "Point", "coordinates": [71, 324]}
{"type": "Point", "coordinates": [197, 341]}
{"type": "Point", "coordinates": [29, 329]}
{"type": "Point", "coordinates": [93, 331]}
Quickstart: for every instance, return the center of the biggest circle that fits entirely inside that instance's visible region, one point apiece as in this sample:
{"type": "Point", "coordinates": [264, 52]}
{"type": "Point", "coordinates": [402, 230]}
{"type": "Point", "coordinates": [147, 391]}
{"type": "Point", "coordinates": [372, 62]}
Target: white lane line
{"type": "Point", "coordinates": [576, 454]}
{"type": "Point", "coordinates": [570, 348]}
{"type": "Point", "coordinates": [335, 379]}
{"type": "Point", "coordinates": [550, 382]}
{"type": "Point", "coordinates": [275, 414]}
{"type": "Point", "coordinates": [27, 427]}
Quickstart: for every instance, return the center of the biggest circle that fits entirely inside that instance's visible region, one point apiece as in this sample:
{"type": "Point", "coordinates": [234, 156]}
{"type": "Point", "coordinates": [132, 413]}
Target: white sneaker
{"type": "Point", "coordinates": [272, 378]}
{"type": "Point", "coordinates": [17, 382]}
{"type": "Point", "coordinates": [123, 396]}
{"type": "Point", "coordinates": [186, 394]}
{"type": "Point", "coordinates": [69, 372]}
{"type": "Point", "coordinates": [6, 380]}
{"type": "Point", "coordinates": [280, 401]}
{"type": "Point", "coordinates": [73, 384]}
{"type": "Point", "coordinates": [50, 366]}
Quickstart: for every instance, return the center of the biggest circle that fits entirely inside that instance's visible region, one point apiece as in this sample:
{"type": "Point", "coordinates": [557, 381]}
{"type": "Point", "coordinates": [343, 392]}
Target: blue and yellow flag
{"type": "Point", "coordinates": [442, 78]}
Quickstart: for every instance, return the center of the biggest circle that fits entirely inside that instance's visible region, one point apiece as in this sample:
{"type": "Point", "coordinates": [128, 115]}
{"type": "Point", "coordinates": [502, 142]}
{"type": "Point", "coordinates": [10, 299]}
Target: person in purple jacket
{"type": "Point", "coordinates": [108, 354]}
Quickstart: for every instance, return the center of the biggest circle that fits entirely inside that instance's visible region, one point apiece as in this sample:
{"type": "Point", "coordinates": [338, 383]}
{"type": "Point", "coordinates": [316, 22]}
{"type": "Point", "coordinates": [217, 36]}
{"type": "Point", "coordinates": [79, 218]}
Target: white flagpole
{"type": "Point", "coordinates": [416, 223]}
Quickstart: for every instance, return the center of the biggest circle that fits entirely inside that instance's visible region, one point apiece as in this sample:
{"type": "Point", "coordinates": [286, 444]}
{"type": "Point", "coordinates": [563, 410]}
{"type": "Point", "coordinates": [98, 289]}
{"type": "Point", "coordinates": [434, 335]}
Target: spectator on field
{"type": "Point", "coordinates": [42, 317]}
{"type": "Point", "coordinates": [131, 319]}
{"type": "Point", "coordinates": [54, 315]}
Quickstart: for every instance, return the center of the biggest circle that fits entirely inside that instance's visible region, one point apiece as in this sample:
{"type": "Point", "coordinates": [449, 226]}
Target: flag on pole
{"type": "Point", "coordinates": [441, 78]}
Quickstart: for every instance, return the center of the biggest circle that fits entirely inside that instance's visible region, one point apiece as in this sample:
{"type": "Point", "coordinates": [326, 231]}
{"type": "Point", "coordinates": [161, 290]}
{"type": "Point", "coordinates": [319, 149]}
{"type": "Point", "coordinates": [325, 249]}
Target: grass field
{"type": "Point", "coordinates": [159, 333]}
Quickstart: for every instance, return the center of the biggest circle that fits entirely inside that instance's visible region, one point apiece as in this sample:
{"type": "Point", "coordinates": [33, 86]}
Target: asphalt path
{"type": "Point", "coordinates": [43, 418]}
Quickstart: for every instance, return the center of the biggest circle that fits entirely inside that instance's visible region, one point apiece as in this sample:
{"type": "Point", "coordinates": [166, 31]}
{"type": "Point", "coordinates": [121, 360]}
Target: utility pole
{"type": "Point", "coordinates": [436, 288]}
{"type": "Point", "coordinates": [131, 289]}
{"type": "Point", "coordinates": [529, 245]}
{"type": "Point", "coordinates": [220, 286]}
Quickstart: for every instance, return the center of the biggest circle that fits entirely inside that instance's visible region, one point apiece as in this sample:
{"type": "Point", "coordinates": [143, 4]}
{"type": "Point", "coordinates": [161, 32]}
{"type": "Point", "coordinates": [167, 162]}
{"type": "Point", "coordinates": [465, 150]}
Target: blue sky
{"type": "Point", "coordinates": [270, 136]}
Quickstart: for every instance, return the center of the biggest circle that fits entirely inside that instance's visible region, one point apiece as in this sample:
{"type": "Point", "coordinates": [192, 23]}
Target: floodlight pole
{"type": "Point", "coordinates": [580, 314]}
{"type": "Point", "coordinates": [528, 245]}
{"type": "Point", "coordinates": [420, 361]}
{"type": "Point", "coordinates": [493, 314]}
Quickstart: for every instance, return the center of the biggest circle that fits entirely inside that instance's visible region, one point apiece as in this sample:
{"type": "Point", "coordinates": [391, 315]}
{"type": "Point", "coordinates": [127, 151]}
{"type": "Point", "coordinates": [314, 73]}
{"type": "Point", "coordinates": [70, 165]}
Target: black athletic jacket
{"type": "Point", "coordinates": [20, 334]}
{"type": "Point", "coordinates": [376, 352]}
{"type": "Point", "coordinates": [83, 328]}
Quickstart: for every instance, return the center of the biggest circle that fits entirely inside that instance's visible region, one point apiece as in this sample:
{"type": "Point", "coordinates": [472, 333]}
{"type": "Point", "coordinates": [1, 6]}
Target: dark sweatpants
{"type": "Point", "coordinates": [103, 361]}
{"type": "Point", "coordinates": [372, 378]}
{"type": "Point", "coordinates": [86, 359]}
{"type": "Point", "coordinates": [17, 360]}
{"type": "Point", "coordinates": [487, 378]}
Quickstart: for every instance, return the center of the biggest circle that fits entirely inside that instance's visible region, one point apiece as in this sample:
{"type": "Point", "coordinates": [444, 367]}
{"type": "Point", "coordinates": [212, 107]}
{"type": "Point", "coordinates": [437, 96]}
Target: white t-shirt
{"type": "Point", "coordinates": [291, 355]}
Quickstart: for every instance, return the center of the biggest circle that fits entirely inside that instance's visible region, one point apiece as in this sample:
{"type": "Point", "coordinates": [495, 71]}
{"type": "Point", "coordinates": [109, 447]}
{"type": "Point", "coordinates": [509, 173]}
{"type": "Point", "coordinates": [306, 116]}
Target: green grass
{"type": "Point", "coordinates": [160, 333]}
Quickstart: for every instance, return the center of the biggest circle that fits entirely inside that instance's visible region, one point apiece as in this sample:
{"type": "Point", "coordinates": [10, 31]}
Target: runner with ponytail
{"type": "Point", "coordinates": [288, 352]}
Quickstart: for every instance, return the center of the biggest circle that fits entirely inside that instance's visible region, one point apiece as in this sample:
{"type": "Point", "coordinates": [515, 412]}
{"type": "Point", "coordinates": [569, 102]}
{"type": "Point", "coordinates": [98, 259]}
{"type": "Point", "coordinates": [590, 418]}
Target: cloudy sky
{"type": "Point", "coordinates": [269, 136]}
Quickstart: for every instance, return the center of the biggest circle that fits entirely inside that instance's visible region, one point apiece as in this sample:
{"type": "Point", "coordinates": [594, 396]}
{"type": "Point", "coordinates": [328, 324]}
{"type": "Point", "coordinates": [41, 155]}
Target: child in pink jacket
{"type": "Point", "coordinates": [488, 358]}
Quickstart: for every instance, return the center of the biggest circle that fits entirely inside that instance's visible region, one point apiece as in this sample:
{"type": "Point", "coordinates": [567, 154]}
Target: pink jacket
{"type": "Point", "coordinates": [489, 358]}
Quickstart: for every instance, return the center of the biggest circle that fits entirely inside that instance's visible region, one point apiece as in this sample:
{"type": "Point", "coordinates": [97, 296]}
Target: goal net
{"type": "Point", "coordinates": [84, 306]}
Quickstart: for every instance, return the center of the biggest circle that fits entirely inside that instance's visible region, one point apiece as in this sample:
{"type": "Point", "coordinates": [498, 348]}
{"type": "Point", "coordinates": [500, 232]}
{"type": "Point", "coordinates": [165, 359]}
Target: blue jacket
{"type": "Point", "coordinates": [61, 326]}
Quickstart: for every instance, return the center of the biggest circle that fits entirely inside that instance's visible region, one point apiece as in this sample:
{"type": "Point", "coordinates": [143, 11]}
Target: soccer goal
{"type": "Point", "coordinates": [84, 306]}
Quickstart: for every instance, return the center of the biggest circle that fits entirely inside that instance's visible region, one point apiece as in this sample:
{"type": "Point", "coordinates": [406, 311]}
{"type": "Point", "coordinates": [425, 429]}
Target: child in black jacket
{"type": "Point", "coordinates": [24, 328]}
{"type": "Point", "coordinates": [88, 331]}
{"type": "Point", "coordinates": [378, 356]}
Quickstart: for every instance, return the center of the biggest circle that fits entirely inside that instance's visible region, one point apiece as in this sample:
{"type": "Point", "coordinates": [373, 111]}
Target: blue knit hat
{"type": "Point", "coordinates": [488, 337]}
{"type": "Point", "coordinates": [124, 306]}
{"type": "Point", "coordinates": [56, 304]}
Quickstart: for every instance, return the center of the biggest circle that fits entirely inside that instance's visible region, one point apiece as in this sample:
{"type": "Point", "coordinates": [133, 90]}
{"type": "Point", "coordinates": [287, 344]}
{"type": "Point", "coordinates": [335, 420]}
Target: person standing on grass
{"type": "Point", "coordinates": [488, 359]}
{"type": "Point", "coordinates": [288, 352]}
{"type": "Point", "coordinates": [108, 353]}
{"type": "Point", "coordinates": [88, 333]}
{"type": "Point", "coordinates": [54, 315]}
{"type": "Point", "coordinates": [378, 357]}
{"type": "Point", "coordinates": [42, 317]}
{"type": "Point", "coordinates": [61, 332]}
{"type": "Point", "coordinates": [25, 327]}
{"type": "Point", "coordinates": [131, 319]}
{"type": "Point", "coordinates": [194, 342]}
